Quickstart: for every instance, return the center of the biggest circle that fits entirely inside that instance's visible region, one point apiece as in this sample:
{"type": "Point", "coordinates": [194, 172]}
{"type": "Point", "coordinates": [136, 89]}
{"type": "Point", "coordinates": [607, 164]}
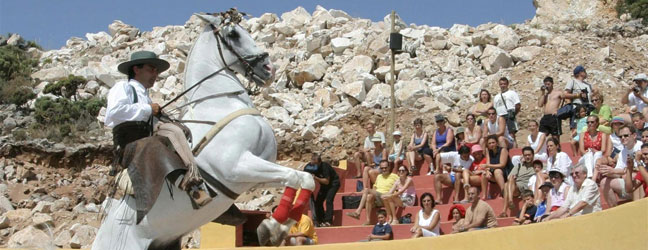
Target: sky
{"type": "Point", "coordinates": [52, 22]}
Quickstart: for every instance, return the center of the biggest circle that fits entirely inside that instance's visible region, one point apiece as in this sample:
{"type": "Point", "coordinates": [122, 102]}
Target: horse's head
{"type": "Point", "coordinates": [236, 42]}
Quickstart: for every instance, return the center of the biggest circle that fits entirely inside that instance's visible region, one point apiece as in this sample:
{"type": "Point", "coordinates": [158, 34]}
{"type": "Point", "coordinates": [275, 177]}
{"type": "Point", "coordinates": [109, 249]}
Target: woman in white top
{"type": "Point", "coordinates": [401, 194]}
{"type": "Point", "coordinates": [557, 160]}
{"type": "Point", "coordinates": [473, 133]}
{"type": "Point", "coordinates": [428, 219]}
{"type": "Point", "coordinates": [537, 141]}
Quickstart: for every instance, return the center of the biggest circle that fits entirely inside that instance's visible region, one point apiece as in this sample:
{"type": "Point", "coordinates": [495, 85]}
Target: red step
{"type": "Point", "coordinates": [328, 235]}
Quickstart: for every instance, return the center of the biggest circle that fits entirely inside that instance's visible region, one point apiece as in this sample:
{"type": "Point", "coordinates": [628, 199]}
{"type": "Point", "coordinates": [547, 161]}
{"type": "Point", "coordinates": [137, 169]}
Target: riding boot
{"type": "Point", "coordinates": [233, 217]}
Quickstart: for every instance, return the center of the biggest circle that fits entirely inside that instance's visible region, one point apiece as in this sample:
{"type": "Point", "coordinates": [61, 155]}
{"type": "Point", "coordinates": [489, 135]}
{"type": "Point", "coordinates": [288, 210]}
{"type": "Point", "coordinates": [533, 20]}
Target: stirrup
{"type": "Point", "coordinates": [199, 196]}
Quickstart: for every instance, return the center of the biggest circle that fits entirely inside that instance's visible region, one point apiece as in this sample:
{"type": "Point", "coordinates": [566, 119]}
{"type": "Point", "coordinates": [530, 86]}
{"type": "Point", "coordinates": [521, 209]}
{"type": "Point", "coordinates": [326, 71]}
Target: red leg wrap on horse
{"type": "Point", "coordinates": [285, 204]}
{"type": "Point", "coordinates": [301, 203]}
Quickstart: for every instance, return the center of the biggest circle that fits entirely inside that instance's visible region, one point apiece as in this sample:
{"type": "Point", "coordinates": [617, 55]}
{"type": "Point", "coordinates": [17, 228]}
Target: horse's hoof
{"type": "Point", "coordinates": [266, 230]}
{"type": "Point", "coordinates": [280, 235]}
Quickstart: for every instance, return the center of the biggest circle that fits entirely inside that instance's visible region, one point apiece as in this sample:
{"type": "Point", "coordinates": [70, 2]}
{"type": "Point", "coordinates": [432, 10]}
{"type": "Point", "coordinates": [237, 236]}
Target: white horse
{"type": "Point", "coordinates": [240, 156]}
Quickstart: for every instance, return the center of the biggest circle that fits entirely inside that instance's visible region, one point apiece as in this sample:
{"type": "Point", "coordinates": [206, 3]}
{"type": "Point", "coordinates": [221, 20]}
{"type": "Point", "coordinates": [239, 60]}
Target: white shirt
{"type": "Point", "coordinates": [636, 101]}
{"type": "Point", "coordinates": [369, 144]}
{"type": "Point", "coordinates": [621, 162]}
{"type": "Point", "coordinates": [563, 164]}
{"type": "Point", "coordinates": [425, 223]}
{"type": "Point", "coordinates": [534, 143]}
{"type": "Point", "coordinates": [577, 86]}
{"type": "Point", "coordinates": [121, 107]}
{"type": "Point", "coordinates": [492, 128]}
{"type": "Point", "coordinates": [589, 193]}
{"type": "Point", "coordinates": [616, 142]}
{"type": "Point", "coordinates": [511, 98]}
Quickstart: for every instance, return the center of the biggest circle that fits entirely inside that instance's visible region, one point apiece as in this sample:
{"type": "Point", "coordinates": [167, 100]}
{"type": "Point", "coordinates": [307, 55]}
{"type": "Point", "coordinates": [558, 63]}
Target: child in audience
{"type": "Point", "coordinates": [580, 125]}
{"type": "Point", "coordinates": [382, 230]}
{"type": "Point", "coordinates": [528, 210]}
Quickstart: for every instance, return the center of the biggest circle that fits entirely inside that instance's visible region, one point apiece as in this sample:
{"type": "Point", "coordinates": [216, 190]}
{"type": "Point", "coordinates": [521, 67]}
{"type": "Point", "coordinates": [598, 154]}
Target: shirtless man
{"type": "Point", "coordinates": [549, 101]}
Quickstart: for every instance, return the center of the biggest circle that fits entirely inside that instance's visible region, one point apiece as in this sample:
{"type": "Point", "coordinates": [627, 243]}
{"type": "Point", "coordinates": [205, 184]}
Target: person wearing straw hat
{"type": "Point", "coordinates": [130, 113]}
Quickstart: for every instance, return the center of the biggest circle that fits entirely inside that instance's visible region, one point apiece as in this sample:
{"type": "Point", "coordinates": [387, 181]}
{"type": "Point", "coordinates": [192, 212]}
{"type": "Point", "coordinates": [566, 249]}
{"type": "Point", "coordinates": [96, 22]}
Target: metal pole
{"type": "Point", "coordinates": [392, 116]}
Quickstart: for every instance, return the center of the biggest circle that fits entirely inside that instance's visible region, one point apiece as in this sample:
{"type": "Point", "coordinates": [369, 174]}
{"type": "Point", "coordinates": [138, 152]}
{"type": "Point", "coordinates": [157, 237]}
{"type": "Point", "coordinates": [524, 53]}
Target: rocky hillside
{"type": "Point", "coordinates": [333, 75]}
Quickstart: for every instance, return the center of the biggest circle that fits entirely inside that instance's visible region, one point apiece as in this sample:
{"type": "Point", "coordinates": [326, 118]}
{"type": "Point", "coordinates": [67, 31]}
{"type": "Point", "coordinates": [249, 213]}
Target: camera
{"type": "Point", "coordinates": [543, 87]}
{"type": "Point", "coordinates": [636, 89]}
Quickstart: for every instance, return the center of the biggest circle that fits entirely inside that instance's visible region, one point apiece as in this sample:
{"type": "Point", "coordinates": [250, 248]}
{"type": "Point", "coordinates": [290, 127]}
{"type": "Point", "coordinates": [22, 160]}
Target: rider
{"type": "Point", "coordinates": [130, 111]}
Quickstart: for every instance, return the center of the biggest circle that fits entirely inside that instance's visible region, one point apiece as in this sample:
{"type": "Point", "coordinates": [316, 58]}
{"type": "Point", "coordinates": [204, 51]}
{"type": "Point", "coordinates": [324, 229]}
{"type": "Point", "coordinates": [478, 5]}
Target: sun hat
{"type": "Point", "coordinates": [476, 148]}
{"type": "Point", "coordinates": [397, 133]}
{"type": "Point", "coordinates": [460, 130]}
{"type": "Point", "coordinates": [640, 77]}
{"type": "Point", "coordinates": [144, 57]}
{"type": "Point", "coordinates": [376, 139]}
{"type": "Point", "coordinates": [439, 118]}
{"type": "Point", "coordinates": [617, 119]}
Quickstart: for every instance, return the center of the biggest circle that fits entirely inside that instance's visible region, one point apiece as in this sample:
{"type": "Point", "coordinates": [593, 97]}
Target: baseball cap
{"type": "Point", "coordinates": [439, 118]}
{"type": "Point", "coordinates": [579, 69]}
{"type": "Point", "coordinates": [376, 139]}
{"type": "Point", "coordinates": [397, 133]}
{"type": "Point", "coordinates": [546, 184]}
{"type": "Point", "coordinates": [640, 77]}
{"type": "Point", "coordinates": [555, 170]}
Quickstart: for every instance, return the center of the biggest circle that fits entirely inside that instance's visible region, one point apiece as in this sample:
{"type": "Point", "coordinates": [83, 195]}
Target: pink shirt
{"type": "Point", "coordinates": [558, 196]}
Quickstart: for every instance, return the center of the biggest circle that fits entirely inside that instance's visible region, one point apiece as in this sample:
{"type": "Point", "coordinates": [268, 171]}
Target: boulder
{"type": "Point", "coordinates": [330, 133]}
{"type": "Point", "coordinates": [63, 238]}
{"type": "Point", "coordinates": [506, 37]}
{"type": "Point", "coordinates": [413, 33]}
{"type": "Point", "coordinates": [296, 18]}
{"type": "Point", "coordinates": [357, 65]}
{"type": "Point", "coordinates": [407, 92]}
{"type": "Point", "coordinates": [378, 97]}
{"type": "Point", "coordinates": [43, 207]}
{"type": "Point", "coordinates": [41, 220]}
{"type": "Point", "coordinates": [310, 70]}
{"type": "Point", "coordinates": [278, 113]}
{"type": "Point", "coordinates": [4, 222]}
{"type": "Point", "coordinates": [289, 101]}
{"type": "Point", "coordinates": [568, 12]}
{"type": "Point", "coordinates": [316, 40]}
{"type": "Point", "coordinates": [339, 44]}
{"type": "Point", "coordinates": [526, 53]}
{"type": "Point", "coordinates": [83, 236]}
{"type": "Point", "coordinates": [474, 52]}
{"type": "Point", "coordinates": [493, 59]}
{"type": "Point", "coordinates": [308, 133]}
{"type": "Point", "coordinates": [28, 237]}
{"type": "Point", "coordinates": [52, 74]}
{"type": "Point", "coordinates": [398, 22]}
{"type": "Point", "coordinates": [356, 90]}
{"type": "Point", "coordinates": [325, 97]}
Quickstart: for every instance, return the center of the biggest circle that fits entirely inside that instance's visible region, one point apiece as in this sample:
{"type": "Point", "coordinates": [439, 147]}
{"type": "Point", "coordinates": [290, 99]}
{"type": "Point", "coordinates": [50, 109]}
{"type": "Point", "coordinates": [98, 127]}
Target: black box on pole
{"type": "Point", "coordinates": [395, 41]}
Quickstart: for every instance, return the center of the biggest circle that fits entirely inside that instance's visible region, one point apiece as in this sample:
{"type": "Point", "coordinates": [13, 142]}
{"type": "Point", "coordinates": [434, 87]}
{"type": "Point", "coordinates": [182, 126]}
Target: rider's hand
{"type": "Point", "coordinates": [155, 109]}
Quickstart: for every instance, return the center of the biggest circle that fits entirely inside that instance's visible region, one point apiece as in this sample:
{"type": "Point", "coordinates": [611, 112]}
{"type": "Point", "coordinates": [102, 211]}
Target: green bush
{"type": "Point", "coordinates": [636, 8]}
{"type": "Point", "coordinates": [17, 91]}
{"type": "Point", "coordinates": [14, 63]}
{"type": "Point", "coordinates": [48, 111]}
{"type": "Point", "coordinates": [67, 87]}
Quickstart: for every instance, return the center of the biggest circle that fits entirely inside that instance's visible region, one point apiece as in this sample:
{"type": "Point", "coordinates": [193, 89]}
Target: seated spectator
{"type": "Point", "coordinates": [397, 152]}
{"type": "Point", "coordinates": [644, 137]}
{"type": "Point", "coordinates": [518, 180]}
{"type": "Point", "coordinates": [479, 215]}
{"type": "Point", "coordinates": [301, 233]}
{"type": "Point", "coordinates": [640, 173]}
{"type": "Point", "coordinates": [428, 220]}
{"type": "Point", "coordinates": [543, 202]}
{"type": "Point", "coordinates": [639, 122]}
{"type": "Point", "coordinates": [364, 153]}
{"type": "Point", "coordinates": [378, 154]}
{"type": "Point", "coordinates": [537, 141]}
{"type": "Point", "coordinates": [460, 137]}
{"type": "Point", "coordinates": [496, 125]}
{"type": "Point", "coordinates": [603, 111]}
{"type": "Point", "coordinates": [537, 179]}
{"type": "Point", "coordinates": [418, 148]}
{"type": "Point", "coordinates": [481, 107]}
{"type": "Point", "coordinates": [382, 230]}
{"type": "Point", "coordinates": [579, 126]}
{"type": "Point", "coordinates": [453, 164]}
{"type": "Point", "coordinates": [475, 175]}
{"type": "Point", "coordinates": [372, 197]}
{"type": "Point", "coordinates": [592, 145]}
{"type": "Point", "coordinates": [636, 96]}
{"type": "Point", "coordinates": [612, 177]}
{"type": "Point", "coordinates": [329, 183]}
{"type": "Point", "coordinates": [401, 194]}
{"type": "Point", "coordinates": [559, 189]}
{"type": "Point", "coordinates": [614, 144]}
{"type": "Point", "coordinates": [557, 159]}
{"type": "Point", "coordinates": [528, 209]}
{"type": "Point", "coordinates": [472, 132]}
{"type": "Point", "coordinates": [457, 213]}
{"type": "Point", "coordinates": [583, 197]}
{"type": "Point", "coordinates": [499, 163]}
{"type": "Point", "coordinates": [442, 141]}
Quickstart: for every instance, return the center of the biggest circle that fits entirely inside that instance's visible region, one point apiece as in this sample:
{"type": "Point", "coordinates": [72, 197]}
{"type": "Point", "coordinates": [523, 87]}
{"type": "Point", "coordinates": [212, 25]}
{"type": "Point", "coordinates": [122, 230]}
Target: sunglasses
{"type": "Point", "coordinates": [591, 122]}
{"type": "Point", "coordinates": [624, 136]}
{"type": "Point", "coordinates": [402, 170]}
{"type": "Point", "coordinates": [491, 113]}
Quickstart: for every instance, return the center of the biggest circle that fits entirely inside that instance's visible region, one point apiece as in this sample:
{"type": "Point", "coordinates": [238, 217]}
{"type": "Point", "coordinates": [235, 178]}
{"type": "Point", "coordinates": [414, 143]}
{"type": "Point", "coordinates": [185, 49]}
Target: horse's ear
{"type": "Point", "coordinates": [215, 20]}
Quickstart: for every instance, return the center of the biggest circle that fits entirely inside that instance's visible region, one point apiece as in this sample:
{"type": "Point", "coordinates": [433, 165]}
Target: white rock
{"type": "Point", "coordinates": [289, 101]}
{"type": "Point", "coordinates": [339, 44]}
{"type": "Point", "coordinates": [325, 97]}
{"type": "Point", "coordinates": [330, 133]}
{"type": "Point", "coordinates": [316, 40]}
{"type": "Point", "coordinates": [42, 220]}
{"type": "Point", "coordinates": [284, 29]}
{"type": "Point", "coordinates": [296, 18]}
{"type": "Point", "coordinates": [474, 52]}
{"type": "Point", "coordinates": [506, 37]}
{"type": "Point", "coordinates": [339, 14]}
{"type": "Point", "coordinates": [92, 208]}
{"type": "Point", "coordinates": [493, 59]}
{"type": "Point", "coordinates": [308, 133]}
{"type": "Point", "coordinates": [4, 222]}
{"type": "Point", "coordinates": [368, 79]}
{"type": "Point", "coordinates": [311, 70]}
{"type": "Point", "coordinates": [14, 39]}
{"type": "Point", "coordinates": [407, 92]}
{"type": "Point", "coordinates": [602, 54]}
{"type": "Point", "coordinates": [412, 33]}
{"type": "Point", "coordinates": [107, 79]}
{"type": "Point", "coordinates": [28, 237]}
{"type": "Point", "coordinates": [51, 74]}
{"type": "Point", "coordinates": [91, 87]}
{"type": "Point", "coordinates": [356, 66]}
{"type": "Point", "coordinates": [63, 238]}
{"type": "Point", "coordinates": [5, 204]}
{"type": "Point", "coordinates": [561, 41]}
{"type": "Point", "coordinates": [439, 44]}
{"type": "Point", "coordinates": [268, 18]}
{"type": "Point", "coordinates": [83, 236]}
{"type": "Point", "coordinates": [460, 30]}
{"type": "Point", "coordinates": [399, 23]}
{"type": "Point", "coordinates": [378, 97]}
{"type": "Point", "coordinates": [355, 90]}
{"type": "Point", "coordinates": [43, 207]}
{"type": "Point", "coordinates": [526, 53]}
{"type": "Point", "coordinates": [279, 114]}
{"type": "Point", "coordinates": [554, 12]}
{"type": "Point", "coordinates": [543, 36]}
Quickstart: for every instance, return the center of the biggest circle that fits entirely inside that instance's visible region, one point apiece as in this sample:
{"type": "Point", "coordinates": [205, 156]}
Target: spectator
{"type": "Point", "coordinates": [329, 185]}
{"type": "Point", "coordinates": [518, 180]}
{"type": "Point", "coordinates": [583, 197]}
{"type": "Point", "coordinates": [614, 143]}
{"type": "Point", "coordinates": [543, 202]}
{"type": "Point", "coordinates": [499, 163]}
{"type": "Point", "coordinates": [372, 197]}
{"type": "Point", "coordinates": [397, 154]}
{"type": "Point", "coordinates": [474, 176]}
{"type": "Point", "coordinates": [639, 122]}
{"type": "Point", "coordinates": [457, 213]}
{"type": "Point", "coordinates": [428, 220]}
{"type": "Point", "coordinates": [378, 154]}
{"type": "Point", "coordinates": [442, 141]}
{"type": "Point", "coordinates": [460, 137]}
{"type": "Point", "coordinates": [580, 125]}
{"type": "Point", "coordinates": [364, 153]}
{"type": "Point", "coordinates": [507, 104]}
{"type": "Point", "coordinates": [644, 136]}
{"type": "Point", "coordinates": [537, 141]}
{"type": "Point", "coordinates": [418, 148]}
{"type": "Point", "coordinates": [591, 145]}
{"type": "Point", "coordinates": [603, 111]}
{"type": "Point", "coordinates": [382, 230]}
{"type": "Point", "coordinates": [550, 102]}
{"type": "Point", "coordinates": [528, 209]}
{"type": "Point", "coordinates": [479, 215]}
{"type": "Point", "coordinates": [451, 175]}
{"type": "Point", "coordinates": [559, 189]}
{"type": "Point", "coordinates": [481, 107]}
{"type": "Point", "coordinates": [557, 159]}
{"type": "Point", "coordinates": [473, 133]}
{"type": "Point", "coordinates": [496, 125]}
{"type": "Point", "coordinates": [637, 95]}
{"type": "Point", "coordinates": [537, 178]}
{"type": "Point", "coordinates": [631, 184]}
{"type": "Point", "coordinates": [612, 178]}
{"type": "Point", "coordinates": [401, 194]}
{"type": "Point", "coordinates": [301, 233]}
{"type": "Point", "coordinates": [579, 91]}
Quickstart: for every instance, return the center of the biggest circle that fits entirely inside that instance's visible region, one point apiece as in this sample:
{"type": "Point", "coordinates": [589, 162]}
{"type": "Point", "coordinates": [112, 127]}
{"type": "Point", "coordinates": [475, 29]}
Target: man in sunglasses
{"type": "Point", "coordinates": [612, 178]}
{"type": "Point", "coordinates": [637, 95]}
{"type": "Point", "coordinates": [583, 197]}
{"type": "Point", "coordinates": [640, 172]}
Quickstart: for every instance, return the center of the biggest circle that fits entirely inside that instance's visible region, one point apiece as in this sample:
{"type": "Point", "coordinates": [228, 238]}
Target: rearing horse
{"type": "Point", "coordinates": [240, 157]}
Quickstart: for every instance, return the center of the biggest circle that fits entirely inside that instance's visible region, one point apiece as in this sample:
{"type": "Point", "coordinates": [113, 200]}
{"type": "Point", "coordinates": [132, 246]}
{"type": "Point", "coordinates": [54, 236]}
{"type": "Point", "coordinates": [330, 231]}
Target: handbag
{"type": "Point", "coordinates": [351, 202]}
{"type": "Point", "coordinates": [566, 111]}
{"type": "Point", "coordinates": [405, 219]}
